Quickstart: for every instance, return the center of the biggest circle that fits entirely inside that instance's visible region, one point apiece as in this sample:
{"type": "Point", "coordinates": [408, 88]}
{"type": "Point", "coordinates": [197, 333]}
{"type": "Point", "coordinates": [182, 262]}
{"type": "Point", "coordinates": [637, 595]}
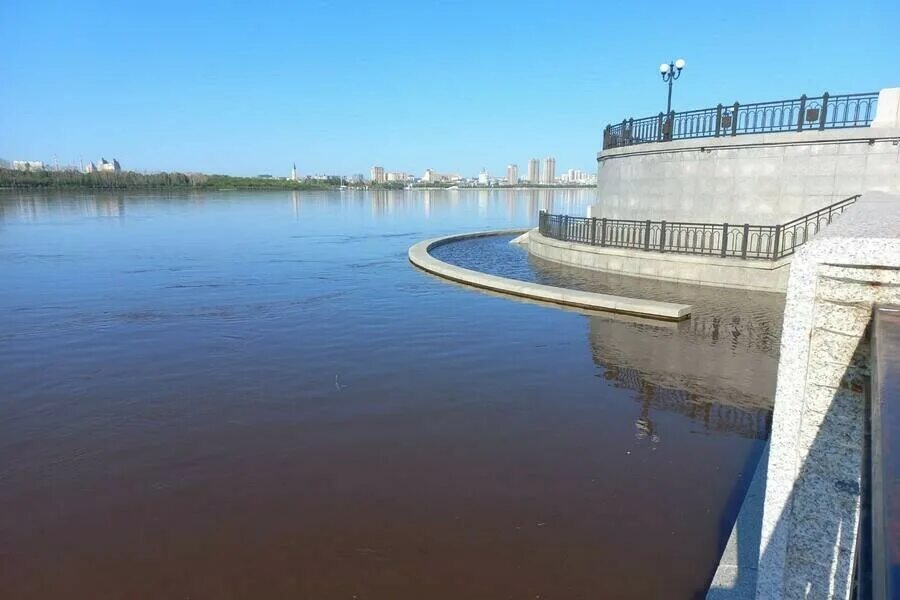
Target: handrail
{"type": "Point", "coordinates": [796, 114]}
{"type": "Point", "coordinates": [879, 573]}
{"type": "Point", "coordinates": [768, 242]}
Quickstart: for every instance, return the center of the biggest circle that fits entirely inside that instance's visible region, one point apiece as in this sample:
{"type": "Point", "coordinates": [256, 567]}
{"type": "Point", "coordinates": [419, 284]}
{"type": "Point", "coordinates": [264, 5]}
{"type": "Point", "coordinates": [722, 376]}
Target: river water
{"type": "Point", "coordinates": [237, 394]}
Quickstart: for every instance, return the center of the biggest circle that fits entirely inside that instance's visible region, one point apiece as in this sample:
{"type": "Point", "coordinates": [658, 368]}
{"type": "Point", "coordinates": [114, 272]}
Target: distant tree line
{"type": "Point", "coordinates": [129, 179]}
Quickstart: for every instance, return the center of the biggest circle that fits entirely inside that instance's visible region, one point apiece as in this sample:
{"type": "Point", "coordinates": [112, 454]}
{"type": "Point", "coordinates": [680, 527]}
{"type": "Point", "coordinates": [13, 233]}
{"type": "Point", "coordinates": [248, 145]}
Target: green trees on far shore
{"type": "Point", "coordinates": [10, 178]}
{"type": "Point", "coordinates": [128, 179]}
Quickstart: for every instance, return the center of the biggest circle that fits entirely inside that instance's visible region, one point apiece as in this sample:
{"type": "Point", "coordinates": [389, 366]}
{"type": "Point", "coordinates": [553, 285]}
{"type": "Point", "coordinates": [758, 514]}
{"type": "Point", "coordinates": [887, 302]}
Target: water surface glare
{"type": "Point", "coordinates": [235, 394]}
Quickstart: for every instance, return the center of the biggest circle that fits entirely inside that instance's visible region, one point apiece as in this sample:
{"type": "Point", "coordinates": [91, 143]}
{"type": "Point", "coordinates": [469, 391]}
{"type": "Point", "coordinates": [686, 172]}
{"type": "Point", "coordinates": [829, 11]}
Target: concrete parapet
{"type": "Point", "coordinates": [810, 517]}
{"type": "Point", "coordinates": [759, 275]}
{"type": "Point", "coordinates": [419, 256]}
{"type": "Point", "coordinates": [887, 114]}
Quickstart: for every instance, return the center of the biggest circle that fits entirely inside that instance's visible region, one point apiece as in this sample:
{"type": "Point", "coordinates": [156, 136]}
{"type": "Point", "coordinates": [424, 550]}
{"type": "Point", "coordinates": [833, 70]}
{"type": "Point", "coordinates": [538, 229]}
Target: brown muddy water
{"type": "Point", "coordinates": [255, 395]}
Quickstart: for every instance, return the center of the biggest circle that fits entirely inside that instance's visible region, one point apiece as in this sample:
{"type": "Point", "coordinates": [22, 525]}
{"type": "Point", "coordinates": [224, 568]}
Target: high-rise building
{"type": "Point", "coordinates": [483, 177]}
{"type": "Point", "coordinates": [534, 171]}
{"type": "Point", "coordinates": [294, 173]}
{"type": "Point", "coordinates": [395, 176]}
{"type": "Point", "coordinates": [378, 174]}
{"type": "Point", "coordinates": [512, 174]}
{"type": "Point", "coordinates": [549, 174]}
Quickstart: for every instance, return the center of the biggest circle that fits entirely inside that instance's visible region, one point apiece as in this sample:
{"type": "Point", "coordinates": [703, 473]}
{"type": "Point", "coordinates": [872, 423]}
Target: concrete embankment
{"type": "Point", "coordinates": [419, 255]}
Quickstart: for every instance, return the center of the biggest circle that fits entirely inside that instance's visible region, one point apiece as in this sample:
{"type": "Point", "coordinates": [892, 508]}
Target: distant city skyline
{"type": "Point", "coordinates": [537, 174]}
{"type": "Point", "coordinates": [251, 101]}
{"type": "Point", "coordinates": [539, 171]}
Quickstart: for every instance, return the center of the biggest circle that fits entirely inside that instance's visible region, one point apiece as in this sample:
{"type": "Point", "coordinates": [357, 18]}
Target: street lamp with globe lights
{"type": "Point", "coordinates": [670, 72]}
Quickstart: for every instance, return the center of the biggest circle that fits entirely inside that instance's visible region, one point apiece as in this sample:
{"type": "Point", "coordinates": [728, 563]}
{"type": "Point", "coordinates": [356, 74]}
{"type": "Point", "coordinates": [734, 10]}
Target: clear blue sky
{"type": "Point", "coordinates": [338, 86]}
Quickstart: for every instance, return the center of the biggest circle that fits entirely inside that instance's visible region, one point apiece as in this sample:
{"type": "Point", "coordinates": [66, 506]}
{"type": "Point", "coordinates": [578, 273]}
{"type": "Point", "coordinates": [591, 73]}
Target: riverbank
{"type": "Point", "coordinates": [14, 179]}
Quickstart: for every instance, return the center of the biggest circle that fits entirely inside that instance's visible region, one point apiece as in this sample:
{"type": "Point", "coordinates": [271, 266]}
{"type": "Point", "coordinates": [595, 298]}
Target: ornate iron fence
{"type": "Point", "coordinates": [799, 114]}
{"type": "Point", "coordinates": [769, 242]}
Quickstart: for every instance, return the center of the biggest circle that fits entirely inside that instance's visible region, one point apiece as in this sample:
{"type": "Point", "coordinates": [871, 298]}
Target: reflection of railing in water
{"type": "Point", "coordinates": [722, 316]}
{"type": "Point", "coordinates": [724, 240]}
{"type": "Point", "coordinates": [715, 416]}
{"type": "Point", "coordinates": [764, 336]}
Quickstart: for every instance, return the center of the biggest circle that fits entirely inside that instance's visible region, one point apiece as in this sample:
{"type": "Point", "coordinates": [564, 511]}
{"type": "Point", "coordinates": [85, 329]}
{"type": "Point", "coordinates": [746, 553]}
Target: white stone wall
{"type": "Point", "coordinates": [759, 275]}
{"type": "Point", "coordinates": [811, 511]}
{"type": "Point", "coordinates": [759, 179]}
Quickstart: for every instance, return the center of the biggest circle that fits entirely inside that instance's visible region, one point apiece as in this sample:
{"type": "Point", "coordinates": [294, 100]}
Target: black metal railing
{"type": "Point", "coordinates": [877, 571]}
{"type": "Point", "coordinates": [798, 114]}
{"type": "Point", "coordinates": [712, 239]}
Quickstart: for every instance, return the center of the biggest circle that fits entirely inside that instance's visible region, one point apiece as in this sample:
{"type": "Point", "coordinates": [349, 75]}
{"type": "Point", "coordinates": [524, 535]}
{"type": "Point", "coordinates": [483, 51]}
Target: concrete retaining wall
{"type": "Point", "coordinates": [761, 275]}
{"type": "Point", "coordinates": [419, 256]}
{"type": "Point", "coordinates": [762, 179]}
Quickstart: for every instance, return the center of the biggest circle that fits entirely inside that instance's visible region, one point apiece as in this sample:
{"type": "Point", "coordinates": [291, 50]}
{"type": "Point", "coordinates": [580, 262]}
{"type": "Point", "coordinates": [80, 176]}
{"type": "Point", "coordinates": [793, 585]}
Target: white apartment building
{"type": "Point", "coordinates": [549, 173]}
{"type": "Point", "coordinates": [512, 174]}
{"type": "Point", "coordinates": [534, 171]}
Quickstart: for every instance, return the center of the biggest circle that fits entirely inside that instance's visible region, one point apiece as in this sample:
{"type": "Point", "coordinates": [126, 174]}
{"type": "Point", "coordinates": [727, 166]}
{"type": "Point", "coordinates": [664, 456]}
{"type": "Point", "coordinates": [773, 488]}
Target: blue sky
{"type": "Point", "coordinates": [246, 88]}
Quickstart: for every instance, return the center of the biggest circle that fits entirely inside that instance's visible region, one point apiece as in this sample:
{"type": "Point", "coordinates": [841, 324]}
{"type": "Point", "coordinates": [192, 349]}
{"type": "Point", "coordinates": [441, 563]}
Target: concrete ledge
{"type": "Point", "coordinates": [861, 135]}
{"type": "Point", "coordinates": [757, 275]}
{"type": "Point", "coordinates": [736, 575]}
{"type": "Point", "coordinates": [420, 257]}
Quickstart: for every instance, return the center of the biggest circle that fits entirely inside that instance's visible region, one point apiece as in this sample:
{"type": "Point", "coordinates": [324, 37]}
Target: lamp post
{"type": "Point", "coordinates": [670, 72]}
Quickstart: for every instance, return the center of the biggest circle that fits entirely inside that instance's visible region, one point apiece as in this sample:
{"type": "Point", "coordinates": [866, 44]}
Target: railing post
{"type": "Point", "coordinates": [603, 231]}
{"type": "Point", "coordinates": [744, 242]}
{"type": "Point", "coordinates": [824, 111]}
{"type": "Point", "coordinates": [802, 116]}
{"type": "Point", "coordinates": [734, 118]}
{"type": "Point", "coordinates": [659, 127]}
{"type": "Point", "coordinates": [593, 231]}
{"type": "Point", "coordinates": [719, 119]}
{"type": "Point", "coordinates": [775, 247]}
{"type": "Point", "coordinates": [662, 236]}
{"type": "Point", "coordinates": [647, 234]}
{"type": "Point", "coordinates": [565, 228]}
{"type": "Point", "coordinates": [724, 238]}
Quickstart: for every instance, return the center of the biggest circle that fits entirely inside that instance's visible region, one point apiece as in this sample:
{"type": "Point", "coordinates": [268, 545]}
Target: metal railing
{"type": "Point", "coordinates": [711, 239]}
{"type": "Point", "coordinates": [878, 554]}
{"type": "Point", "coordinates": [798, 114]}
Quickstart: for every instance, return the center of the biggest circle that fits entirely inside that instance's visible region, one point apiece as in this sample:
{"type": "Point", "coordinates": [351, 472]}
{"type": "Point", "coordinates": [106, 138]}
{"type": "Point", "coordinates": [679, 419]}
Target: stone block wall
{"type": "Point", "coordinates": [812, 486]}
{"type": "Point", "coordinates": [762, 179]}
{"type": "Point", "coordinates": [759, 275]}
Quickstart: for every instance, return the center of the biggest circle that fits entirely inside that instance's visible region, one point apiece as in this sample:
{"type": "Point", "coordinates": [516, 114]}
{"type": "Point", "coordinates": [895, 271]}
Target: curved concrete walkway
{"type": "Point", "coordinates": [419, 255]}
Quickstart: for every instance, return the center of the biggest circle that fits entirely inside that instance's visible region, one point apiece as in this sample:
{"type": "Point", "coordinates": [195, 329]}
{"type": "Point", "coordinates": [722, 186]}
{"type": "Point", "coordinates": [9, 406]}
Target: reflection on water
{"type": "Point", "coordinates": [715, 414]}
{"type": "Point", "coordinates": [717, 367]}
{"type": "Point", "coordinates": [255, 394]}
{"type": "Point", "coordinates": [28, 205]}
